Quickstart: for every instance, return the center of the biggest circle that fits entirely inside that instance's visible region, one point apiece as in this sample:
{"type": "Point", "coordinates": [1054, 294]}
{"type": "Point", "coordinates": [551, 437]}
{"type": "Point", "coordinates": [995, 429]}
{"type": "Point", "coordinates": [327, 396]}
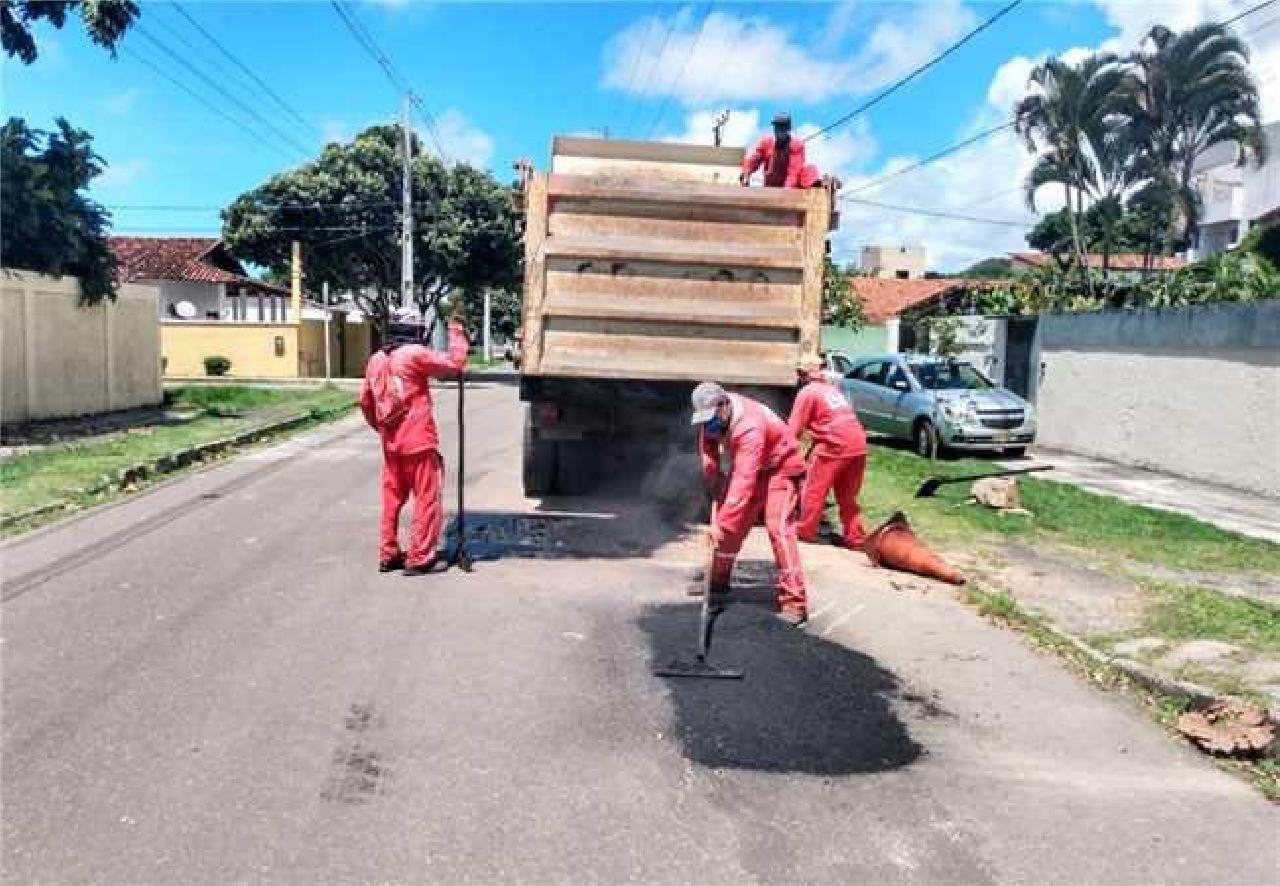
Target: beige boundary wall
{"type": "Point", "coordinates": [59, 359]}
{"type": "Point", "coordinates": [1189, 391]}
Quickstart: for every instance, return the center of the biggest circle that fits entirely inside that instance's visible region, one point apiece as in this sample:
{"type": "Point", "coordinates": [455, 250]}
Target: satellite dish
{"type": "Point", "coordinates": [185, 310]}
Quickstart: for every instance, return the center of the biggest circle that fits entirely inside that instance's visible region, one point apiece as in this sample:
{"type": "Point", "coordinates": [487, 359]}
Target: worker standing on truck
{"type": "Point", "coordinates": [396, 401]}
{"type": "Point", "coordinates": [765, 475]}
{"type": "Point", "coordinates": [782, 158]}
{"type": "Point", "coordinates": [839, 456]}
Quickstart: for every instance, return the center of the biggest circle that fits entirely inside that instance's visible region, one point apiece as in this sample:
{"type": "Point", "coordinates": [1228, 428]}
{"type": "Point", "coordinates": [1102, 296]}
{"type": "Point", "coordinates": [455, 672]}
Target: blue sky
{"type": "Point", "coordinates": [501, 79]}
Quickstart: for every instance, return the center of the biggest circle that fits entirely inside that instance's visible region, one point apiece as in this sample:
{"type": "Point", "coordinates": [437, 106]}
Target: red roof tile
{"type": "Point", "coordinates": [1120, 261]}
{"type": "Point", "coordinates": [884, 298]}
{"type": "Point", "coordinates": [198, 259]}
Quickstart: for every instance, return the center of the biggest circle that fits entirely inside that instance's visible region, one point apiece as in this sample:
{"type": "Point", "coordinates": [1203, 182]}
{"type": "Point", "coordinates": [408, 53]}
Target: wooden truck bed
{"type": "Point", "coordinates": [648, 261]}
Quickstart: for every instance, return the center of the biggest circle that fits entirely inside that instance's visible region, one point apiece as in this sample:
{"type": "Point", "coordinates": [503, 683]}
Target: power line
{"type": "Point", "coordinates": [137, 56]}
{"type": "Point", "coordinates": [933, 158]}
{"type": "Point", "coordinates": [890, 90]}
{"type": "Point", "coordinates": [367, 42]}
{"type": "Point", "coordinates": [285, 106]}
{"type": "Point", "coordinates": [935, 213]}
{"type": "Point", "coordinates": [218, 89]}
{"type": "Point", "coordinates": [693, 50]}
{"type": "Point", "coordinates": [657, 62]}
{"type": "Point", "coordinates": [1249, 12]}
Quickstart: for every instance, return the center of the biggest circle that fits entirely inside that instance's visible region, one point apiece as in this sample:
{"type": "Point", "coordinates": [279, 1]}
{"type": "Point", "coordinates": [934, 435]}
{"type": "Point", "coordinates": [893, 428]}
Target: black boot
{"type": "Point", "coordinates": [423, 568]}
{"type": "Point", "coordinates": [396, 562]}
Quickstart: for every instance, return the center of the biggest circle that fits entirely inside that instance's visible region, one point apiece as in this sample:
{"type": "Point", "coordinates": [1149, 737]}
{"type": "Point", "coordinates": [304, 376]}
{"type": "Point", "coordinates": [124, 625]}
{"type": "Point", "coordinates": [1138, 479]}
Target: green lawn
{"type": "Point", "coordinates": [63, 472]}
{"type": "Point", "coordinates": [1061, 513]}
{"type": "Point", "coordinates": [1185, 612]}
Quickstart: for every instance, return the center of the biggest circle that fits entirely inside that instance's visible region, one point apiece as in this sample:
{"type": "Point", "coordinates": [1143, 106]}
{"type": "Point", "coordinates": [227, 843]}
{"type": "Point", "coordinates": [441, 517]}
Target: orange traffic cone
{"type": "Point", "coordinates": [894, 546]}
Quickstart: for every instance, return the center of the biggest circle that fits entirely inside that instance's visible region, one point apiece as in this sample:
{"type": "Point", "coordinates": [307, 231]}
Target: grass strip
{"type": "Point", "coordinates": [1060, 512]}
{"type": "Point", "coordinates": [79, 475]}
{"type": "Point", "coordinates": [1001, 608]}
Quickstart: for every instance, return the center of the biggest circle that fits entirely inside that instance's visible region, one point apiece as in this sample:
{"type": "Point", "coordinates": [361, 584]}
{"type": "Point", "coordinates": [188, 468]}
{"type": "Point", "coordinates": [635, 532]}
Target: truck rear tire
{"type": "Point", "coordinates": [539, 463]}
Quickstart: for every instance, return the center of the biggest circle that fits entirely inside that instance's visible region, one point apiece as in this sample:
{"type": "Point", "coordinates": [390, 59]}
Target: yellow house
{"type": "Point", "coordinates": [210, 307]}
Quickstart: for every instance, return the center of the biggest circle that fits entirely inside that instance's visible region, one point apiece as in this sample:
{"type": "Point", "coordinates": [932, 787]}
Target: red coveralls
{"type": "Point", "coordinates": [839, 458]}
{"type": "Point", "coordinates": [411, 462]}
{"type": "Point", "coordinates": [765, 474]}
{"type": "Point", "coordinates": [779, 172]}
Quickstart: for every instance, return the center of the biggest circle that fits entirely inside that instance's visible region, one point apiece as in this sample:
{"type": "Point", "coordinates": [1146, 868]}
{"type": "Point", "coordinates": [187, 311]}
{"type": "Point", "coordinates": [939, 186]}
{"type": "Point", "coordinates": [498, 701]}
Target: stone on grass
{"type": "Point", "coordinates": [1198, 652]}
{"type": "Point", "coordinates": [1139, 645]}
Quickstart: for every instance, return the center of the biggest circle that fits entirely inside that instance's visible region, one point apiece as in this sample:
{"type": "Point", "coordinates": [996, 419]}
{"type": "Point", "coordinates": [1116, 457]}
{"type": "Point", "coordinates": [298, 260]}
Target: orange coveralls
{"type": "Point", "coordinates": [411, 462]}
{"type": "Point", "coordinates": [838, 459]}
{"type": "Point", "coordinates": [765, 475]}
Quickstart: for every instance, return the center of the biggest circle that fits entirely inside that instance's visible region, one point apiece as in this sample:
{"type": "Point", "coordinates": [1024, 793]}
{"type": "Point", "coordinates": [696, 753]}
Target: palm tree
{"type": "Point", "coordinates": [1065, 119]}
{"type": "Point", "coordinates": [1183, 94]}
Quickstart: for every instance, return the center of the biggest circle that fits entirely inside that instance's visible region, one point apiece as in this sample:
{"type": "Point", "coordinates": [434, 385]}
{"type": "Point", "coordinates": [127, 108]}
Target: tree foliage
{"type": "Point", "coordinates": [47, 223]}
{"type": "Point", "coordinates": [105, 20]}
{"type": "Point", "coordinates": [344, 207]}
{"type": "Point", "coordinates": [1121, 136]}
{"type": "Point", "coordinates": [840, 303]}
{"type": "Point", "coordinates": [988, 269]}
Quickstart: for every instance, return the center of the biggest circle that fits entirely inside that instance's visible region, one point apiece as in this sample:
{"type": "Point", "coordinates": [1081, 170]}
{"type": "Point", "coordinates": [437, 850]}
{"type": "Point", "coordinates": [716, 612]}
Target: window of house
{"type": "Point", "coordinates": [902, 275]}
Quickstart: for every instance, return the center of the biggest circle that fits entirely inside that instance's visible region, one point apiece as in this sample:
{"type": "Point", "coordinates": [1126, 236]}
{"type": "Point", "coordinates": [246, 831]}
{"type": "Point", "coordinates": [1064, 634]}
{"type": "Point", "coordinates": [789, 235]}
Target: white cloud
{"type": "Point", "coordinates": [122, 173]}
{"type": "Point", "coordinates": [121, 103]}
{"type": "Point", "coordinates": [461, 140]}
{"type": "Point", "coordinates": [742, 127]}
{"type": "Point", "coordinates": [730, 58]}
{"type": "Point", "coordinates": [845, 149]}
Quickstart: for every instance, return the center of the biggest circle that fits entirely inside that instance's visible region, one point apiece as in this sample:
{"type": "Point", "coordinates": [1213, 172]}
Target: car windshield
{"type": "Point", "coordinates": [950, 376]}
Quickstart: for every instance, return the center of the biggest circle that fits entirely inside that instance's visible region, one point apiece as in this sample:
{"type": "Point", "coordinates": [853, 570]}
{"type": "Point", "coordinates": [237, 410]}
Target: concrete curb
{"type": "Point", "coordinates": [1145, 675]}
{"type": "Point", "coordinates": [174, 461]}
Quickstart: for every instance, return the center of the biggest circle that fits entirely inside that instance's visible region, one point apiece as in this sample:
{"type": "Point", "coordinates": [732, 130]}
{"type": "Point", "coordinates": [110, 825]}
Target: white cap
{"type": "Point", "coordinates": [706, 398]}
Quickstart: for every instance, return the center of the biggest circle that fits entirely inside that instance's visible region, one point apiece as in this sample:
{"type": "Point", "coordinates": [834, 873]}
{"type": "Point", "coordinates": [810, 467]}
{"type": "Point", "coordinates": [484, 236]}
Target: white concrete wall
{"type": "Point", "coordinates": [1191, 392]}
{"type": "Point", "coordinates": [60, 359]}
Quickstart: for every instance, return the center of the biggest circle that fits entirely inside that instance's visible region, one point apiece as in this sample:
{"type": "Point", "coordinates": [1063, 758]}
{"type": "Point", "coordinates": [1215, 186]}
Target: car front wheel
{"type": "Point", "coordinates": [926, 439]}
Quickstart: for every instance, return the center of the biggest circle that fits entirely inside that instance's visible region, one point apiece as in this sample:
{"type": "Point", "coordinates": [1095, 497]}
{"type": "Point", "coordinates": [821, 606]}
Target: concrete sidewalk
{"type": "Point", "coordinates": [1247, 513]}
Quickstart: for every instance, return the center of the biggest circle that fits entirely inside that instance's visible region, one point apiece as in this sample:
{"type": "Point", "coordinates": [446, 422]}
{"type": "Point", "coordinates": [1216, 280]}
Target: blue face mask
{"type": "Point", "coordinates": [715, 427]}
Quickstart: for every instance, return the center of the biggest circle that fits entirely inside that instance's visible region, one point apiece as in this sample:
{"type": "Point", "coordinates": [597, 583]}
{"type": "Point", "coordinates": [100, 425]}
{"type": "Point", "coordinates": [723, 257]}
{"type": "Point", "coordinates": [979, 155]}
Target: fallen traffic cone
{"type": "Point", "coordinates": [894, 546]}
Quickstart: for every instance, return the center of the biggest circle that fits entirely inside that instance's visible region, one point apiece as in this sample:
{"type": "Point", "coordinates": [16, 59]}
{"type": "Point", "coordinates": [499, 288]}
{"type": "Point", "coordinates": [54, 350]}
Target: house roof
{"type": "Point", "coordinates": [886, 297]}
{"type": "Point", "coordinates": [194, 259]}
{"type": "Point", "coordinates": [1118, 261]}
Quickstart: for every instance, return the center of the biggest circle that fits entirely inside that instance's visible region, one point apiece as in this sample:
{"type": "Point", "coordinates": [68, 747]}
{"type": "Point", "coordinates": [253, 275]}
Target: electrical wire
{"type": "Point", "coordinates": [935, 213]}
{"type": "Point", "coordinates": [890, 90]}
{"type": "Point", "coordinates": [1251, 11]}
{"type": "Point", "coordinates": [932, 158]}
{"type": "Point", "coordinates": [671, 88]}
{"type": "Point", "coordinates": [285, 106]}
{"type": "Point", "coordinates": [657, 62]}
{"type": "Point", "coordinates": [137, 56]}
{"type": "Point", "coordinates": [398, 82]}
{"type": "Point", "coordinates": [220, 90]}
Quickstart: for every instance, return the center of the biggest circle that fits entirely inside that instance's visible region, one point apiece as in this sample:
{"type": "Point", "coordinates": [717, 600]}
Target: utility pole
{"type": "Point", "coordinates": [328, 312]}
{"type": "Point", "coordinates": [488, 301]}
{"type": "Point", "coordinates": [721, 119]}
{"type": "Point", "coordinates": [406, 211]}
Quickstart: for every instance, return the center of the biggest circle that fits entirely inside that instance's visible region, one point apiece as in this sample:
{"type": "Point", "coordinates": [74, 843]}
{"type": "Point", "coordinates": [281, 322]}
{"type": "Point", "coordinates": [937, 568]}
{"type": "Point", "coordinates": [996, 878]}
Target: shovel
{"type": "Point", "coordinates": [700, 667]}
{"type": "Point", "coordinates": [460, 557]}
{"type": "Point", "coordinates": [930, 486]}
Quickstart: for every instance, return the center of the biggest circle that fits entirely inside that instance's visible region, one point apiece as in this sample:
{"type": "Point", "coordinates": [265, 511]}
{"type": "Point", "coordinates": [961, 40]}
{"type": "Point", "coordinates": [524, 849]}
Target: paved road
{"type": "Point", "coordinates": [209, 683]}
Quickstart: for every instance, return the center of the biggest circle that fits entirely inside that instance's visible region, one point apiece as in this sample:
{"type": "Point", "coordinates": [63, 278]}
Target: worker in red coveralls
{"type": "Point", "coordinates": [782, 158]}
{"type": "Point", "coordinates": [838, 459]}
{"type": "Point", "coordinates": [396, 401]}
{"type": "Point", "coordinates": [765, 475]}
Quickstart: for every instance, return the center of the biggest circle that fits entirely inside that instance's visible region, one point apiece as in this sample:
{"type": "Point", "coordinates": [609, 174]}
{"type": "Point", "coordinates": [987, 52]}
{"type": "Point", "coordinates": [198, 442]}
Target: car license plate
{"type": "Point", "coordinates": [1003, 438]}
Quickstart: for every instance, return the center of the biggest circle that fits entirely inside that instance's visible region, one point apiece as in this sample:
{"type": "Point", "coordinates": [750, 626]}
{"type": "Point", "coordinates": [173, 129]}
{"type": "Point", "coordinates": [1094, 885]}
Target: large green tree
{"type": "Point", "coordinates": [1184, 93]}
{"type": "Point", "coordinates": [344, 207]}
{"type": "Point", "coordinates": [105, 20]}
{"type": "Point", "coordinates": [47, 223]}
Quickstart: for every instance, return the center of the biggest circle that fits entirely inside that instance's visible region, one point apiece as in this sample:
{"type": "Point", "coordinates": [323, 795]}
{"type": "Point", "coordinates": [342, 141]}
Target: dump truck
{"type": "Point", "coordinates": [649, 268]}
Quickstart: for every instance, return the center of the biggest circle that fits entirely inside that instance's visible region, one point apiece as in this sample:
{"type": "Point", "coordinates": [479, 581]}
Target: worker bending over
{"type": "Point", "coordinates": [765, 474]}
{"type": "Point", "coordinates": [839, 456]}
{"type": "Point", "coordinates": [782, 158]}
{"type": "Point", "coordinates": [396, 401]}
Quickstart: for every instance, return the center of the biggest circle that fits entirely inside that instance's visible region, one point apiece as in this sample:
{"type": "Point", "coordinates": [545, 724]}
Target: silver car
{"type": "Point", "coordinates": [938, 403]}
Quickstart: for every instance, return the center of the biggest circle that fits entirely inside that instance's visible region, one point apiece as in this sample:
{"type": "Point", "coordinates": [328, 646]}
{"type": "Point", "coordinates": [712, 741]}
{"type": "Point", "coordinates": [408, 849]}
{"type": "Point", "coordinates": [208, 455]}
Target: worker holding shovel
{"type": "Point", "coordinates": [838, 459]}
{"type": "Point", "coordinates": [396, 401]}
{"type": "Point", "coordinates": [765, 475]}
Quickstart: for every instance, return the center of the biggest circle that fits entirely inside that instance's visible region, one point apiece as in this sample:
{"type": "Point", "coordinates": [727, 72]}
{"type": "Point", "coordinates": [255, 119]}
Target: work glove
{"type": "Point", "coordinates": [744, 180]}
{"type": "Point", "coordinates": [715, 535]}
